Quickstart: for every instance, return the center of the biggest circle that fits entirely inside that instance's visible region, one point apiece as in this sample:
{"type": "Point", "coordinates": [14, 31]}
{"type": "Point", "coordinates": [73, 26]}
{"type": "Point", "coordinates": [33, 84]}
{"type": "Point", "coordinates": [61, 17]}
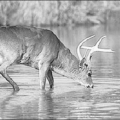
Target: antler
{"type": "Point", "coordinates": [80, 45]}
{"type": "Point", "coordinates": [95, 48]}
{"type": "Point", "coordinates": [92, 49]}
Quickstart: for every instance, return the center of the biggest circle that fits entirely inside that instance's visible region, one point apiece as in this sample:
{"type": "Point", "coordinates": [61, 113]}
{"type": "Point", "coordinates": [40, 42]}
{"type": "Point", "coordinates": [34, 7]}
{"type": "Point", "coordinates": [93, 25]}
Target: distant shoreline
{"type": "Point", "coordinates": [58, 13]}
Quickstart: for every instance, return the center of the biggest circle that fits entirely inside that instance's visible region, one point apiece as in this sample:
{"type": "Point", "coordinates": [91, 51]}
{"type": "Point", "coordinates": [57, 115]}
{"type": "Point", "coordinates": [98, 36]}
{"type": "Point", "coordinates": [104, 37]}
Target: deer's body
{"type": "Point", "coordinates": [29, 46]}
{"type": "Point", "coordinates": [42, 50]}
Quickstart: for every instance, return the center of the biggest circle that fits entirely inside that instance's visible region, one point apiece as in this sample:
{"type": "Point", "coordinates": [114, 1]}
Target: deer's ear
{"type": "Point", "coordinates": [82, 62]}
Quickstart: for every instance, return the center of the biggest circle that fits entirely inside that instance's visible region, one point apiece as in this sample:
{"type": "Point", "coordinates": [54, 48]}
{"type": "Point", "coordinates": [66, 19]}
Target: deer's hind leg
{"type": "Point", "coordinates": [9, 79]}
{"type": "Point", "coordinates": [50, 78]}
{"type": "Point", "coordinates": [3, 72]}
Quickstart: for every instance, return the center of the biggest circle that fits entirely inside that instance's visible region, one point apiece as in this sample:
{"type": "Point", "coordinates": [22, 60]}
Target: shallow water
{"type": "Point", "coordinates": [68, 99]}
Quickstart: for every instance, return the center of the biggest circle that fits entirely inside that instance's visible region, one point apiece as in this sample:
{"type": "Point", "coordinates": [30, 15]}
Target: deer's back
{"type": "Point", "coordinates": [15, 41]}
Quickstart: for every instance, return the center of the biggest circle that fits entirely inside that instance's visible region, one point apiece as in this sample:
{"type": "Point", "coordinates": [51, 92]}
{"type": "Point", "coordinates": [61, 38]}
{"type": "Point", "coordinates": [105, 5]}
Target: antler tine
{"type": "Point", "coordinates": [97, 44]}
{"type": "Point", "coordinates": [80, 46]}
{"type": "Point", "coordinates": [95, 48]}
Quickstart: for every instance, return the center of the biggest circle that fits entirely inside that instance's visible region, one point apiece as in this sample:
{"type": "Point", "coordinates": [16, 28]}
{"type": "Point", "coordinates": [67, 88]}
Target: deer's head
{"type": "Point", "coordinates": [85, 62]}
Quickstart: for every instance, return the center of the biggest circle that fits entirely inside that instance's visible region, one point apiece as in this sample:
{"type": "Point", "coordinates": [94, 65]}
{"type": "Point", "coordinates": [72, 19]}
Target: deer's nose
{"type": "Point", "coordinates": [90, 86]}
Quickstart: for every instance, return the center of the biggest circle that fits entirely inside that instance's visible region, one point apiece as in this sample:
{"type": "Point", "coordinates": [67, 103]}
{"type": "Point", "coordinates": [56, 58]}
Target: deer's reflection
{"type": "Point", "coordinates": [36, 104]}
{"type": "Point", "coordinates": [46, 105]}
{"type": "Point", "coordinates": [4, 101]}
{"type": "Point", "coordinates": [32, 105]}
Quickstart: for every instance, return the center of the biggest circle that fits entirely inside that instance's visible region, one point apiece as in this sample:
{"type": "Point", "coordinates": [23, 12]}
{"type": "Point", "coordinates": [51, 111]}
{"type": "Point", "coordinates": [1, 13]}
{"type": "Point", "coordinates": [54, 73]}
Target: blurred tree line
{"type": "Point", "coordinates": [56, 12]}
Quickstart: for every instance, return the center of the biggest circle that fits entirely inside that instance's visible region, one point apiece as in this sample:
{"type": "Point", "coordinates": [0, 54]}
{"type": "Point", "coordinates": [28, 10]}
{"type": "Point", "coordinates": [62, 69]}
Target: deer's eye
{"type": "Point", "coordinates": [86, 65]}
{"type": "Point", "coordinates": [89, 73]}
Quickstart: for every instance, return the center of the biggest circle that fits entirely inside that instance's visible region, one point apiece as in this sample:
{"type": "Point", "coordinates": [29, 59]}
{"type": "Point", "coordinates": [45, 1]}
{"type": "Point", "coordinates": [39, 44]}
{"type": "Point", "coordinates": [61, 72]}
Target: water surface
{"type": "Point", "coordinates": [68, 99]}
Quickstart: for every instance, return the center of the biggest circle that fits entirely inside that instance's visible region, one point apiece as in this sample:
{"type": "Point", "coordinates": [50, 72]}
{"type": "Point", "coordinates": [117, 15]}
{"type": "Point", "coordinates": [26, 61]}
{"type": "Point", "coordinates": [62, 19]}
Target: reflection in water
{"type": "Point", "coordinates": [76, 102]}
{"type": "Point", "coordinates": [41, 104]}
{"type": "Point", "coordinates": [68, 99]}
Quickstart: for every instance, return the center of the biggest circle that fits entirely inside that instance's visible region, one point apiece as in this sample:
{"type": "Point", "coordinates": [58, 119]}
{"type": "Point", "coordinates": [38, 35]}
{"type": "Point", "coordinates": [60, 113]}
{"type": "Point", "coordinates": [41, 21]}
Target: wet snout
{"type": "Point", "coordinates": [87, 85]}
{"type": "Point", "coordinates": [90, 86]}
{"type": "Point", "coordinates": [87, 82]}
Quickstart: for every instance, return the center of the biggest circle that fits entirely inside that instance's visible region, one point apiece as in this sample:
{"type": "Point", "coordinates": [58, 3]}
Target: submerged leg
{"type": "Point", "coordinates": [50, 78]}
{"type": "Point", "coordinates": [43, 69]}
{"type": "Point", "coordinates": [7, 77]}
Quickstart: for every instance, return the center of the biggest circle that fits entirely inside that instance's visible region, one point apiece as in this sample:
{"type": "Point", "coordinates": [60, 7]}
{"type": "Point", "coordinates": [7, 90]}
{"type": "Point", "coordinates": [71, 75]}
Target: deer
{"type": "Point", "coordinates": [41, 49]}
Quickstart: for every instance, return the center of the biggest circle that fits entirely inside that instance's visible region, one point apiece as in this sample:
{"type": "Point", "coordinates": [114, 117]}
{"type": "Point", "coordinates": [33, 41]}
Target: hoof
{"type": "Point", "coordinates": [16, 89]}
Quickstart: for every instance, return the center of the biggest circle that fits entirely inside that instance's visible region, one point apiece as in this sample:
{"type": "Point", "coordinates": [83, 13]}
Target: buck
{"type": "Point", "coordinates": [42, 50]}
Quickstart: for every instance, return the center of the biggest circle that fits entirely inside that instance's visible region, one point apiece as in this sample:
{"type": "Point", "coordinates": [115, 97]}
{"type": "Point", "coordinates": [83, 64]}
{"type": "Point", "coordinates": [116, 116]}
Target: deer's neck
{"type": "Point", "coordinates": [66, 64]}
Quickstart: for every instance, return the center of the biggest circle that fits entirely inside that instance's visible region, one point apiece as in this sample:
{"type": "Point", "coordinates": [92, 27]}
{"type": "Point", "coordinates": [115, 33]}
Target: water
{"type": "Point", "coordinates": [68, 99]}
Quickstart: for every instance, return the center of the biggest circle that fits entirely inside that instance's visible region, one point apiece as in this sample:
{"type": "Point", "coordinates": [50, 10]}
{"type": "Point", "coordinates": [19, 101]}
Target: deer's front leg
{"type": "Point", "coordinates": [50, 78]}
{"type": "Point", "coordinates": [43, 70]}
